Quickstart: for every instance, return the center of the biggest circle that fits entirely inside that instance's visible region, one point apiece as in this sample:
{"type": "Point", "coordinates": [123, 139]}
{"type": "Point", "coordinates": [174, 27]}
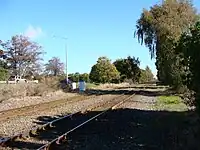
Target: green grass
{"type": "Point", "coordinates": [169, 99]}
{"type": "Point", "coordinates": [170, 103]}
{"type": "Point", "coordinates": [90, 85]}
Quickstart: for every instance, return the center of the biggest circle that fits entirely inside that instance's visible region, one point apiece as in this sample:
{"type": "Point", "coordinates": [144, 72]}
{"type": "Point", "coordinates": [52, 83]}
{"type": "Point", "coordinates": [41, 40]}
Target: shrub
{"type": "Point", "coordinates": [3, 74]}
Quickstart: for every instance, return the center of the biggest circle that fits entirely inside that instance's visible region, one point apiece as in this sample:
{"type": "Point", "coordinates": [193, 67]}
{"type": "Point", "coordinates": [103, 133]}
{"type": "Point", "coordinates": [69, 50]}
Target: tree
{"type": "Point", "coordinates": [128, 68]}
{"type": "Point", "coordinates": [103, 71]}
{"type": "Point", "coordinates": [54, 67]}
{"type": "Point", "coordinates": [3, 64]}
{"type": "Point", "coordinates": [3, 67]}
{"type": "Point", "coordinates": [160, 28]}
{"type": "Point", "coordinates": [23, 55]}
{"type": "Point", "coordinates": [143, 76]}
{"type": "Point", "coordinates": [146, 75]}
{"type": "Point", "coordinates": [3, 74]}
{"type": "Point", "coordinates": [149, 74]}
{"type": "Point", "coordinates": [188, 49]}
{"type": "Point", "coordinates": [75, 77]}
{"type": "Point", "coordinates": [84, 77]}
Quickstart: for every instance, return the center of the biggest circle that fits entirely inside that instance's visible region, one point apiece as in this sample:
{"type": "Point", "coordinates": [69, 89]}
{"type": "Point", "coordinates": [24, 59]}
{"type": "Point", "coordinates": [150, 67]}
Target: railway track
{"type": "Point", "coordinates": [11, 113]}
{"type": "Point", "coordinates": [57, 130]}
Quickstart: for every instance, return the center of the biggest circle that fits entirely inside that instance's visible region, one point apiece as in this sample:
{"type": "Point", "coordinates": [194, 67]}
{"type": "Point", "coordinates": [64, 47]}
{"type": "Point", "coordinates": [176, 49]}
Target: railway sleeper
{"type": "Point", "coordinates": [35, 132]}
{"type": "Point", "coordinates": [5, 141]}
{"type": "Point", "coordinates": [62, 139]}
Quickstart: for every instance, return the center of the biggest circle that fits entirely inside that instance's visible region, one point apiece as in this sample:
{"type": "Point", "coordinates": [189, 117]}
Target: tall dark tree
{"type": "Point", "coordinates": [3, 70]}
{"type": "Point", "coordinates": [3, 64]}
{"type": "Point", "coordinates": [188, 48]}
{"type": "Point", "coordinates": [128, 68]}
{"type": "Point", "coordinates": [75, 77]}
{"type": "Point", "coordinates": [85, 77]}
{"type": "Point", "coordinates": [160, 28]}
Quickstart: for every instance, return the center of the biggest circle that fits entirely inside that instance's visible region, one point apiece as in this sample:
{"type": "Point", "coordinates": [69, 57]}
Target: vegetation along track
{"type": "Point", "coordinates": [50, 131]}
{"type": "Point", "coordinates": [11, 113]}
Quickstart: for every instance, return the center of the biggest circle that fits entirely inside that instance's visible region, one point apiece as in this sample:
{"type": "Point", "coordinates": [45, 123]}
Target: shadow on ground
{"type": "Point", "coordinates": [129, 92]}
{"type": "Point", "coordinates": [125, 129]}
{"type": "Point", "coordinates": [143, 87]}
{"type": "Point", "coordinates": [41, 120]}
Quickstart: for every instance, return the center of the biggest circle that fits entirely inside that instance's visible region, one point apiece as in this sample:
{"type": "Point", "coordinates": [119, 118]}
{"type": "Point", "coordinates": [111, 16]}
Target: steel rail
{"type": "Point", "coordinates": [62, 137]}
{"type": "Point", "coordinates": [19, 109]}
{"type": "Point", "coordinates": [33, 130]}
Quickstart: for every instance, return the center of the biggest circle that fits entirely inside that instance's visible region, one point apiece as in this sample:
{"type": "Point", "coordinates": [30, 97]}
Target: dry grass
{"type": "Point", "coordinates": [22, 90]}
{"type": "Point", "coordinates": [45, 86]}
{"type": "Point", "coordinates": [124, 85]}
{"type": "Point", "coordinates": [112, 85]}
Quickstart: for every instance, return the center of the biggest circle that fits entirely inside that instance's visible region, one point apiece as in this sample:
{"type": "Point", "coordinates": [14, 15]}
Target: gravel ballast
{"type": "Point", "coordinates": [32, 100]}
{"type": "Point", "coordinates": [136, 125]}
{"type": "Point", "coordinates": [140, 102]}
{"type": "Point", "coordinates": [24, 123]}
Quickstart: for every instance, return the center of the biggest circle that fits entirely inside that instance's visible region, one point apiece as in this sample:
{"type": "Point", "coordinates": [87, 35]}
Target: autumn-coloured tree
{"type": "Point", "coordinates": [22, 55]}
{"type": "Point", "coordinates": [54, 67]}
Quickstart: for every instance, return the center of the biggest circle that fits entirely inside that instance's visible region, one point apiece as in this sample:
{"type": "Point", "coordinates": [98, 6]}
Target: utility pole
{"type": "Point", "coordinates": [66, 62]}
{"type": "Point", "coordinates": [64, 38]}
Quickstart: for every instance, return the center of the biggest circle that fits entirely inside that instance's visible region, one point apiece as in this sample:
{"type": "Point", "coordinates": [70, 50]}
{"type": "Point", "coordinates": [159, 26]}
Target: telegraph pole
{"type": "Point", "coordinates": [64, 38]}
{"type": "Point", "coordinates": [66, 62]}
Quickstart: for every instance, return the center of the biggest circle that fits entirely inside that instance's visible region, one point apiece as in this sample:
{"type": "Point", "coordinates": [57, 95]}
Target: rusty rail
{"type": "Point", "coordinates": [36, 130]}
{"type": "Point", "coordinates": [63, 137]}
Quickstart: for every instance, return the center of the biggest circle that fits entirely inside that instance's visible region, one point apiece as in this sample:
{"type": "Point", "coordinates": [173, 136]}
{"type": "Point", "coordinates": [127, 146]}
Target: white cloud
{"type": "Point", "coordinates": [33, 32]}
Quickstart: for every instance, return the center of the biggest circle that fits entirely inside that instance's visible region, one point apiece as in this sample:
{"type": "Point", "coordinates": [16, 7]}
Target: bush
{"type": "Point", "coordinates": [104, 71]}
{"type": "Point", "coordinates": [3, 74]}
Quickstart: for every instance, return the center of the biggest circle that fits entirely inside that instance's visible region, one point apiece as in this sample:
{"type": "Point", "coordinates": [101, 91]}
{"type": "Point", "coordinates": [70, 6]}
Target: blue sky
{"type": "Point", "coordinates": [93, 28]}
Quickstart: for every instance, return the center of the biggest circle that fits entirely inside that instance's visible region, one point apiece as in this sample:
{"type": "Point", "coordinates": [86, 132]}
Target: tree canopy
{"type": "Point", "coordinates": [3, 74]}
{"type": "Point", "coordinates": [23, 55]}
{"type": "Point", "coordinates": [54, 66]}
{"type": "Point", "coordinates": [188, 49]}
{"type": "Point", "coordinates": [75, 77]}
{"type": "Point", "coordinates": [128, 68]}
{"type": "Point", "coordinates": [160, 28]}
{"type": "Point", "coordinates": [104, 71]}
{"type": "Point", "coordinates": [146, 75]}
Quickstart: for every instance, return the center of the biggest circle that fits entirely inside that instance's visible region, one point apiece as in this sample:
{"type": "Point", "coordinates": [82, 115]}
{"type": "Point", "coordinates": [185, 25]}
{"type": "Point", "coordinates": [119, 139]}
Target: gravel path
{"type": "Point", "coordinates": [24, 123]}
{"type": "Point", "coordinates": [140, 102]}
{"type": "Point", "coordinates": [27, 101]}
